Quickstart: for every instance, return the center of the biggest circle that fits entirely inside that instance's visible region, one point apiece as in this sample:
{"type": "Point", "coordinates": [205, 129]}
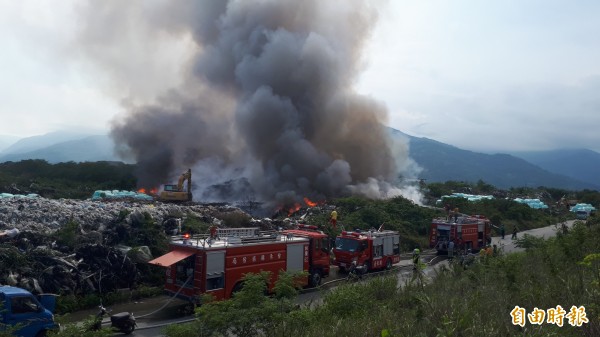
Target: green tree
{"type": "Point", "coordinates": [65, 180]}
{"type": "Point", "coordinates": [484, 188]}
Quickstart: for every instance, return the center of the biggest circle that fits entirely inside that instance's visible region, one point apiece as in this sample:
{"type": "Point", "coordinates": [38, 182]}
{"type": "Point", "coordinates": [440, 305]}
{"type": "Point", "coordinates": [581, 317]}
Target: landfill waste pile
{"type": "Point", "coordinates": [70, 246]}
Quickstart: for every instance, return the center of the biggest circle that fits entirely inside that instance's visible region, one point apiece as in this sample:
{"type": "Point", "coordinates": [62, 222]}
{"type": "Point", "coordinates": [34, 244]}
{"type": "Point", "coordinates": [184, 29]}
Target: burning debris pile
{"type": "Point", "coordinates": [75, 247]}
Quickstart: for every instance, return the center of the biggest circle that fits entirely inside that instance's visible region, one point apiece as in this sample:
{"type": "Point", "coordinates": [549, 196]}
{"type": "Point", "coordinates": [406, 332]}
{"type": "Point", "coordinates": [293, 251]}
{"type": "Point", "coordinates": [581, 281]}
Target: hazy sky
{"type": "Point", "coordinates": [482, 75]}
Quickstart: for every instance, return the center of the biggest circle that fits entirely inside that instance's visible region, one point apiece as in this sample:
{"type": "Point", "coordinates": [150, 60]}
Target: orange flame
{"type": "Point", "coordinates": [294, 209]}
{"type": "Point", "coordinates": [297, 206]}
{"type": "Point", "coordinates": [145, 191]}
{"type": "Point", "coordinates": [309, 203]}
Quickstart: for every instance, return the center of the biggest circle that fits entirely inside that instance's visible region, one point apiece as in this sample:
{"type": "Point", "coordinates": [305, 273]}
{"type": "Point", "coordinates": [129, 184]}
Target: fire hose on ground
{"type": "Point", "coordinates": [168, 301]}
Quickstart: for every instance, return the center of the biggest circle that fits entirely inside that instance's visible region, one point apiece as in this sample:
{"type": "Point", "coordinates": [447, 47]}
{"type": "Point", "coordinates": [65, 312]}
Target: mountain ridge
{"type": "Point", "coordinates": [440, 162]}
{"type": "Point", "coordinates": [89, 148]}
{"type": "Point", "coordinates": [33, 143]}
{"type": "Point", "coordinates": [6, 141]}
{"type": "Point", "coordinates": [581, 164]}
{"type": "Point", "coordinates": [443, 162]}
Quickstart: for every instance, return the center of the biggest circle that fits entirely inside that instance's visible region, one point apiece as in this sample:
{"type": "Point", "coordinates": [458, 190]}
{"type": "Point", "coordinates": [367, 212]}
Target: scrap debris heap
{"type": "Point", "coordinates": [80, 246]}
{"type": "Point", "coordinates": [74, 246]}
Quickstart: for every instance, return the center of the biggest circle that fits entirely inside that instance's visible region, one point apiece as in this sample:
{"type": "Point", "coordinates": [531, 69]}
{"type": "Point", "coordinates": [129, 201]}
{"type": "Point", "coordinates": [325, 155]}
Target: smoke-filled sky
{"type": "Point", "coordinates": [493, 75]}
{"type": "Point", "coordinates": [265, 100]}
{"type": "Point", "coordinates": [260, 102]}
{"type": "Point", "coordinates": [290, 94]}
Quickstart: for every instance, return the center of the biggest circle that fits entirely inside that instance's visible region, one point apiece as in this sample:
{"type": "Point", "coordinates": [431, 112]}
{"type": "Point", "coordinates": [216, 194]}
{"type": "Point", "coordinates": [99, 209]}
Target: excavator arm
{"type": "Point", "coordinates": [187, 175]}
{"type": "Point", "coordinates": [177, 192]}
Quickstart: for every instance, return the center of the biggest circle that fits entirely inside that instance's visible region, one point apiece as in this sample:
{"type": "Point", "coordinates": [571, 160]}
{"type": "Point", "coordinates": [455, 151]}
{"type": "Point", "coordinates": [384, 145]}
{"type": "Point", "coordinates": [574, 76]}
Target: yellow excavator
{"type": "Point", "coordinates": [177, 192]}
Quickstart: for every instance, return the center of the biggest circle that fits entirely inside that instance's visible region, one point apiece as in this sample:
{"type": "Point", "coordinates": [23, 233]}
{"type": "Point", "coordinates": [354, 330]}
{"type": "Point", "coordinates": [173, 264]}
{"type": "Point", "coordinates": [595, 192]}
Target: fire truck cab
{"type": "Point", "coordinates": [318, 249]}
{"type": "Point", "coordinates": [372, 249]}
{"type": "Point", "coordinates": [468, 232]}
{"type": "Point", "coordinates": [216, 264]}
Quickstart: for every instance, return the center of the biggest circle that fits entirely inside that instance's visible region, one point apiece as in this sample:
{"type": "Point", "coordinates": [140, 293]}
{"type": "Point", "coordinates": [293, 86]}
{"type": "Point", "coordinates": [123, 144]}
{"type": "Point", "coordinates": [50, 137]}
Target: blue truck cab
{"type": "Point", "coordinates": [33, 317]}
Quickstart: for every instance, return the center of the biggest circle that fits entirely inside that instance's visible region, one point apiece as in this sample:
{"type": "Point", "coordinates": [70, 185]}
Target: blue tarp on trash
{"type": "Point", "coordinates": [583, 207]}
{"type": "Point", "coordinates": [115, 194]}
{"type": "Point", "coordinates": [533, 203]}
{"type": "Point", "coordinates": [469, 197]}
{"type": "Point", "coordinates": [9, 195]}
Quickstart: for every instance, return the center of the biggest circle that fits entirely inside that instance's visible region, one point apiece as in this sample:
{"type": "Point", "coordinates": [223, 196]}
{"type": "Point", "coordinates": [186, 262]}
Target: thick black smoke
{"type": "Point", "coordinates": [265, 106]}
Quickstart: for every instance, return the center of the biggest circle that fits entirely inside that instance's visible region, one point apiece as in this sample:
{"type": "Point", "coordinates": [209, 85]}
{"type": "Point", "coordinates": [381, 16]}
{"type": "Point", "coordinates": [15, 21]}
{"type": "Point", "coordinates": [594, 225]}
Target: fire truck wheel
{"type": "Point", "coordinates": [367, 267]}
{"type": "Point", "coordinates": [315, 278]}
{"type": "Point", "coordinates": [388, 264]}
{"type": "Point", "coordinates": [127, 328]}
{"type": "Point", "coordinates": [238, 286]}
{"type": "Point", "coordinates": [189, 309]}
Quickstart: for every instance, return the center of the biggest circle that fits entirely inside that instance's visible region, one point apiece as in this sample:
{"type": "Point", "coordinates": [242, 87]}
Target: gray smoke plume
{"type": "Point", "coordinates": [264, 106]}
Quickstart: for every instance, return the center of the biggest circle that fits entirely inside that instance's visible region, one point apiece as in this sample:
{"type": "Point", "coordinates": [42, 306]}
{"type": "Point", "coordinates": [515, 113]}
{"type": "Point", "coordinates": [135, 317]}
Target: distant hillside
{"type": "Point", "coordinates": [579, 164]}
{"type": "Point", "coordinates": [6, 141]}
{"type": "Point", "coordinates": [442, 162]}
{"type": "Point", "coordinates": [34, 143]}
{"type": "Point", "coordinates": [89, 148]}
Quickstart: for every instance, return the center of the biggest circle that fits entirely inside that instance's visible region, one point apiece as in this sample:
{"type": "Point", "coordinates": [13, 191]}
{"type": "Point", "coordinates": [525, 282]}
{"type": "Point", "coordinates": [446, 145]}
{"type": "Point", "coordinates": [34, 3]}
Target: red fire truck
{"type": "Point", "coordinates": [468, 232]}
{"type": "Point", "coordinates": [216, 264]}
{"type": "Point", "coordinates": [372, 249]}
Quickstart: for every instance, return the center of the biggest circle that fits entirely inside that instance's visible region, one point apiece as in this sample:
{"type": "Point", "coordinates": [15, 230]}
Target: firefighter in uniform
{"type": "Point", "coordinates": [333, 218]}
{"type": "Point", "coordinates": [415, 257]}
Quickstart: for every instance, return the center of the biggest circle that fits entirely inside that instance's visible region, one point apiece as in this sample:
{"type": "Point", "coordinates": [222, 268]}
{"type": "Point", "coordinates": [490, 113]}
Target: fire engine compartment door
{"type": "Point", "coordinates": [388, 245]}
{"type": "Point", "coordinates": [377, 248]}
{"type": "Point", "coordinates": [215, 270]}
{"type": "Point", "coordinates": [295, 257]}
{"type": "Point", "coordinates": [377, 241]}
{"type": "Point", "coordinates": [171, 258]}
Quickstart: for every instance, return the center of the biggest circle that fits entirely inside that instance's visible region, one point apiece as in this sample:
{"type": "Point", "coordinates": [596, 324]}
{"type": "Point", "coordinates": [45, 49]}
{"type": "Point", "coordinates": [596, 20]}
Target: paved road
{"type": "Point", "coordinates": [508, 245]}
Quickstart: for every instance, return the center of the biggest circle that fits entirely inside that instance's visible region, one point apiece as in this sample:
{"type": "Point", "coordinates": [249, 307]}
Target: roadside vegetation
{"type": "Point", "coordinates": [477, 301]}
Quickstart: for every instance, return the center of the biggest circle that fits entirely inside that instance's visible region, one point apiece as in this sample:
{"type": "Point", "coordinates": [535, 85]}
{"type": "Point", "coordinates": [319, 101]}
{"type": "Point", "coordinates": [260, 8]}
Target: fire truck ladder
{"type": "Point", "coordinates": [247, 235]}
{"type": "Point", "coordinates": [237, 232]}
{"type": "Point", "coordinates": [382, 233]}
